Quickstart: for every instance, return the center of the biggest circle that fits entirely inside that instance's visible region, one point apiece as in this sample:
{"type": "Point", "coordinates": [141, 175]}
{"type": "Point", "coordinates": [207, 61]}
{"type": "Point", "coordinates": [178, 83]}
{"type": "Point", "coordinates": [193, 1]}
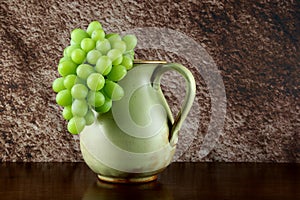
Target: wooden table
{"type": "Point", "coordinates": [179, 181]}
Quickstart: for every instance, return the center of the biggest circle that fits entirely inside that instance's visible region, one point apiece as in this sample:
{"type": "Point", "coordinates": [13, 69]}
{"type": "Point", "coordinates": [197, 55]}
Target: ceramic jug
{"type": "Point", "coordinates": [137, 138]}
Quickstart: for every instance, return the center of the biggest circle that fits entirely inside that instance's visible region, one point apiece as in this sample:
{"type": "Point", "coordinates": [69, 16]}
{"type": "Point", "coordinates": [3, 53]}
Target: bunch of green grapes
{"type": "Point", "coordinates": [90, 69]}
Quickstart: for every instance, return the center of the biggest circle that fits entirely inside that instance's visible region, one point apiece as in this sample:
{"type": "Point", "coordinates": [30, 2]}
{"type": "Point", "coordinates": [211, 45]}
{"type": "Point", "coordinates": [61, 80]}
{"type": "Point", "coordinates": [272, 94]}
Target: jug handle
{"type": "Point", "coordinates": [189, 97]}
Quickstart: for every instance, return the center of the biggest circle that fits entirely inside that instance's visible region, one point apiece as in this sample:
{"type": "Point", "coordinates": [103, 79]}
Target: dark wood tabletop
{"type": "Point", "coordinates": [179, 181]}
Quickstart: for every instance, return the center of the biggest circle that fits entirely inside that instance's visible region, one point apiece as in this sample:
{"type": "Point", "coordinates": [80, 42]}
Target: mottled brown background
{"type": "Point", "coordinates": [255, 45]}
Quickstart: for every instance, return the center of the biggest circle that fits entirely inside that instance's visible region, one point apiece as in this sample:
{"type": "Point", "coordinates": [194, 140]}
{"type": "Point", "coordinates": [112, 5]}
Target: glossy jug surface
{"type": "Point", "coordinates": [137, 138]}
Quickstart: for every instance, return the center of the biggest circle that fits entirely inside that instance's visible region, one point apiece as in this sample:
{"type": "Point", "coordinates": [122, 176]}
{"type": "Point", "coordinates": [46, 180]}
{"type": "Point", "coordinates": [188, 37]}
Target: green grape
{"type": "Point", "coordinates": [131, 41]}
{"type": "Point", "coordinates": [115, 55]}
{"type": "Point", "coordinates": [105, 107]}
{"type": "Point", "coordinates": [77, 35]}
{"type": "Point", "coordinates": [63, 59]}
{"type": "Point", "coordinates": [94, 25]}
{"type": "Point", "coordinates": [119, 45]}
{"type": "Point", "coordinates": [107, 70]}
{"type": "Point", "coordinates": [95, 81]}
{"type": "Point", "coordinates": [118, 61]}
{"type": "Point", "coordinates": [65, 51]}
{"type": "Point", "coordinates": [78, 56]}
{"type": "Point", "coordinates": [58, 84]}
{"type": "Point", "coordinates": [117, 73]}
{"type": "Point", "coordinates": [103, 65]}
{"type": "Point", "coordinates": [98, 35]}
{"type": "Point", "coordinates": [113, 37]}
{"type": "Point", "coordinates": [110, 34]}
{"type": "Point", "coordinates": [87, 44]}
{"type": "Point", "coordinates": [76, 125]}
{"type": "Point", "coordinates": [89, 118]}
{"type": "Point", "coordinates": [68, 50]}
{"type": "Point", "coordinates": [66, 67]}
{"type": "Point", "coordinates": [69, 81]}
{"type": "Point", "coordinates": [67, 112]}
{"type": "Point", "coordinates": [129, 54]}
{"type": "Point", "coordinates": [127, 62]}
{"type": "Point", "coordinates": [84, 70]}
{"type": "Point", "coordinates": [80, 81]}
{"type": "Point", "coordinates": [79, 108]}
{"type": "Point", "coordinates": [79, 91]}
{"type": "Point", "coordinates": [64, 98]}
{"type": "Point", "coordinates": [103, 46]}
{"type": "Point", "coordinates": [93, 56]}
{"type": "Point", "coordinates": [72, 42]}
{"type": "Point", "coordinates": [95, 99]}
{"type": "Point", "coordinates": [113, 90]}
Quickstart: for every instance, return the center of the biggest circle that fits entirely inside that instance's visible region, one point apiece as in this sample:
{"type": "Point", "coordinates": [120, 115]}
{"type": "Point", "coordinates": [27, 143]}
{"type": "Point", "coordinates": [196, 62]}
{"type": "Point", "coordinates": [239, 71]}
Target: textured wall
{"type": "Point", "coordinates": [254, 45]}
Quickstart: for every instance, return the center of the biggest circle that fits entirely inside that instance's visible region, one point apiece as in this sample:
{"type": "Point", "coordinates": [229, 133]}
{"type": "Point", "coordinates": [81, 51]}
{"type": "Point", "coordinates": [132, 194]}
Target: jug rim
{"type": "Point", "coordinates": [138, 61]}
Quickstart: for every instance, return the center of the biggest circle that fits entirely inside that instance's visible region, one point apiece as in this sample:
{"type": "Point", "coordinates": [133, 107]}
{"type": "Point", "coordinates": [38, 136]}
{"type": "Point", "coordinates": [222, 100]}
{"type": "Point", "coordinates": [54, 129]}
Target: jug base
{"type": "Point", "coordinates": [127, 180]}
